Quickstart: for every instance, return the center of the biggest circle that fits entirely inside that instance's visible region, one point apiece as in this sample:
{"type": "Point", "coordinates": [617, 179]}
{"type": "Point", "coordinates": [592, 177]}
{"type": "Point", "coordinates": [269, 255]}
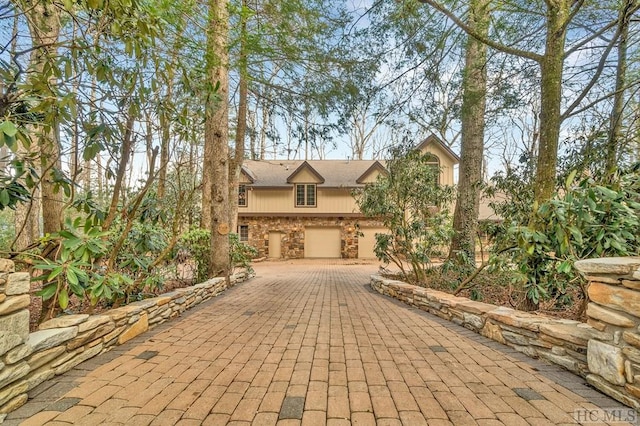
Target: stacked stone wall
{"type": "Point", "coordinates": [292, 233]}
{"type": "Point", "coordinates": [614, 309]}
{"type": "Point", "coordinates": [28, 359]}
{"type": "Point", "coordinates": [605, 350]}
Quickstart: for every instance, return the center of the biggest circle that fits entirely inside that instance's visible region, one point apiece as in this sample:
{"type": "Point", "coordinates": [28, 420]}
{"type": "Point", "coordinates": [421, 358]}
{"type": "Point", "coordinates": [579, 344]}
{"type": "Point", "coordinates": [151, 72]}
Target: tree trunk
{"type": "Point", "coordinates": [52, 203]}
{"type": "Point", "coordinates": [263, 129]}
{"type": "Point", "coordinates": [26, 222]}
{"type": "Point", "coordinates": [99, 176]}
{"type": "Point", "coordinates": [164, 148]}
{"type": "Point", "coordinates": [87, 175]}
{"type": "Point", "coordinates": [241, 127]}
{"type": "Point", "coordinates": [26, 215]}
{"type": "Point", "coordinates": [207, 179]}
{"type": "Point", "coordinates": [615, 127]}
{"type": "Point", "coordinates": [216, 139]}
{"type": "Point", "coordinates": [44, 24]}
{"type": "Point", "coordinates": [194, 178]}
{"type": "Point", "coordinates": [474, 82]}
{"type": "Point", "coordinates": [252, 117]}
{"type": "Point", "coordinates": [551, 65]}
{"type": "Point", "coordinates": [76, 167]}
{"type": "Point", "coordinates": [125, 153]}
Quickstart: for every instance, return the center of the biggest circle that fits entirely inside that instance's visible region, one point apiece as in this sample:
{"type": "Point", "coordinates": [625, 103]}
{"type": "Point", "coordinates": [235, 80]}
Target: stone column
{"type": "Point", "coordinates": [14, 331]}
{"type": "Point", "coordinates": [614, 307]}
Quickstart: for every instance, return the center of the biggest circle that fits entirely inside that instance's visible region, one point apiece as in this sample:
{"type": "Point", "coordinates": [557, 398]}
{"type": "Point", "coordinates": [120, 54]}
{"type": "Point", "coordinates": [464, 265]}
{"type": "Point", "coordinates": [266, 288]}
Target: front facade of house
{"type": "Point", "coordinates": [305, 209]}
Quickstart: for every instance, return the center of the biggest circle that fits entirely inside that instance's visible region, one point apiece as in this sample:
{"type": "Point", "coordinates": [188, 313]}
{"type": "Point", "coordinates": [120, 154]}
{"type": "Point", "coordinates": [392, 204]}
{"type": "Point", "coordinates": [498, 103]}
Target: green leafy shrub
{"type": "Point", "coordinates": [412, 205]}
{"type": "Point", "coordinates": [86, 265]}
{"type": "Point", "coordinates": [197, 243]}
{"type": "Point", "coordinates": [584, 220]}
{"type": "Point", "coordinates": [7, 229]}
{"type": "Point", "coordinates": [137, 259]}
{"type": "Point", "coordinates": [74, 270]}
{"type": "Point", "coordinates": [241, 253]}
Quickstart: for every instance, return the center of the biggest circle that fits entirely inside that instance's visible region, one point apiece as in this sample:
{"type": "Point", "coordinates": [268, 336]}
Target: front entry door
{"type": "Point", "coordinates": [275, 245]}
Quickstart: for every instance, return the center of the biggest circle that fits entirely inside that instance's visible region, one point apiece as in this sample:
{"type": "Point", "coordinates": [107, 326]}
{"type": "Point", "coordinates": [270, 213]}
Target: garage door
{"type": "Point", "coordinates": [367, 242]}
{"type": "Point", "coordinates": [322, 243]}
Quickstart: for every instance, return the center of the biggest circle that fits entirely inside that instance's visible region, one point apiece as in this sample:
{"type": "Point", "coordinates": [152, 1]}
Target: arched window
{"type": "Point", "coordinates": [434, 162]}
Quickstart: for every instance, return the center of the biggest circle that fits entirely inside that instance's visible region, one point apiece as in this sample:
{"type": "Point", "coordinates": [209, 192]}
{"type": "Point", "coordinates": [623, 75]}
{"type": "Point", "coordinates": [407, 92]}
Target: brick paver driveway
{"type": "Point", "coordinates": [310, 343]}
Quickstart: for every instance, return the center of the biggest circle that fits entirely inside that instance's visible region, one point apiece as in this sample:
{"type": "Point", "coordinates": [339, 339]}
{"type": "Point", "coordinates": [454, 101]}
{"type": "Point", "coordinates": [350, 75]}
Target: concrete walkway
{"type": "Point", "coordinates": [309, 343]}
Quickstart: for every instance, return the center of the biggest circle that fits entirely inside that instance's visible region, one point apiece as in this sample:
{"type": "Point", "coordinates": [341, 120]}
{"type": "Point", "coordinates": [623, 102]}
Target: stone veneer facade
{"type": "Point", "coordinates": [605, 350]}
{"type": "Point", "coordinates": [292, 229]}
{"type": "Point", "coordinates": [28, 359]}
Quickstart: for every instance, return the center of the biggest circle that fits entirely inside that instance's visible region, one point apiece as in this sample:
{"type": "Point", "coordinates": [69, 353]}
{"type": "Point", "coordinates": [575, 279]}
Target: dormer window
{"type": "Point", "coordinates": [242, 196]}
{"type": "Point", "coordinates": [306, 195]}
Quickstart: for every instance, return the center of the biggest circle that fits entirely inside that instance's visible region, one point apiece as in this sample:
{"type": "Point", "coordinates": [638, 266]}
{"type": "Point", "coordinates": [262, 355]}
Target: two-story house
{"type": "Point", "coordinates": [305, 209]}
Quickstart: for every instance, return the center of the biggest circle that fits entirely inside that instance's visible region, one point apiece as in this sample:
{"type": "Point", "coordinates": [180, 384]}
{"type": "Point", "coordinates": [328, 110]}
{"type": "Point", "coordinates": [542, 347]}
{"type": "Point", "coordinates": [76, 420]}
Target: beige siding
{"type": "Point", "coordinates": [305, 176]}
{"type": "Point", "coordinates": [336, 201]}
{"type": "Point", "coordinates": [282, 201]}
{"type": "Point", "coordinates": [270, 200]}
{"type": "Point", "coordinates": [446, 164]}
{"type": "Point", "coordinates": [367, 241]}
{"type": "Point", "coordinates": [371, 177]}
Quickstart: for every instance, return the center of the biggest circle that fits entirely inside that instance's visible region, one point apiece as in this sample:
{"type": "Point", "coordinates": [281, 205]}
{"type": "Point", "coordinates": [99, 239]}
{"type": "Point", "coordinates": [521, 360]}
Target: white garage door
{"type": "Point", "coordinates": [322, 243]}
{"type": "Point", "coordinates": [367, 242]}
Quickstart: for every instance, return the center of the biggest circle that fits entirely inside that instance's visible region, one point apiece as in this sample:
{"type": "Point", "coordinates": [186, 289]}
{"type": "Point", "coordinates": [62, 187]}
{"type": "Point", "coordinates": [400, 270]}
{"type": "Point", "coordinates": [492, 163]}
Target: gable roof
{"type": "Point", "coordinates": [305, 166]}
{"type": "Point", "coordinates": [433, 139]}
{"type": "Point", "coordinates": [248, 173]}
{"type": "Point", "coordinates": [331, 173]}
{"type": "Point", "coordinates": [375, 166]}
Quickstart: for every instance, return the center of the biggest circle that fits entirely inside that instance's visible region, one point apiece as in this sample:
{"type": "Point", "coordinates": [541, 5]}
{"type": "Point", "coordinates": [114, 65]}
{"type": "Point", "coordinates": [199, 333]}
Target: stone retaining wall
{"type": "Point", "coordinates": [28, 359]}
{"type": "Point", "coordinates": [605, 351]}
{"type": "Point", "coordinates": [614, 309]}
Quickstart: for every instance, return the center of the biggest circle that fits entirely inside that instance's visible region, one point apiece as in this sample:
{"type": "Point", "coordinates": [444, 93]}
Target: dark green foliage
{"type": "Point", "coordinates": [80, 266]}
{"type": "Point", "coordinates": [585, 219]}
{"type": "Point", "coordinates": [75, 270]}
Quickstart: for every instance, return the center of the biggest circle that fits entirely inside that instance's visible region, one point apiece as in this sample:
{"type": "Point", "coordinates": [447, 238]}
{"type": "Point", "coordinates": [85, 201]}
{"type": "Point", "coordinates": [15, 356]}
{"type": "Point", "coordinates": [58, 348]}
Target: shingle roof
{"type": "Point", "coordinates": [336, 173]}
{"type": "Point", "coordinates": [330, 173]}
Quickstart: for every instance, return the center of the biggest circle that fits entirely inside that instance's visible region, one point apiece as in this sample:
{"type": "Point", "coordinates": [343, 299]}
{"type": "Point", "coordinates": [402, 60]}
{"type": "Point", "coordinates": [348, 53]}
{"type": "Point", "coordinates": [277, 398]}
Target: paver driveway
{"type": "Point", "coordinates": [310, 343]}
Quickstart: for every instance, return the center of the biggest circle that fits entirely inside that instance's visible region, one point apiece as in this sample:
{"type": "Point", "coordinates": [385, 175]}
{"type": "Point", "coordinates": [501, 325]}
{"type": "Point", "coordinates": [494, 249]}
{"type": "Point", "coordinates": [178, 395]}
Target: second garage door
{"type": "Point", "coordinates": [367, 242]}
{"type": "Point", "coordinates": [322, 242]}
